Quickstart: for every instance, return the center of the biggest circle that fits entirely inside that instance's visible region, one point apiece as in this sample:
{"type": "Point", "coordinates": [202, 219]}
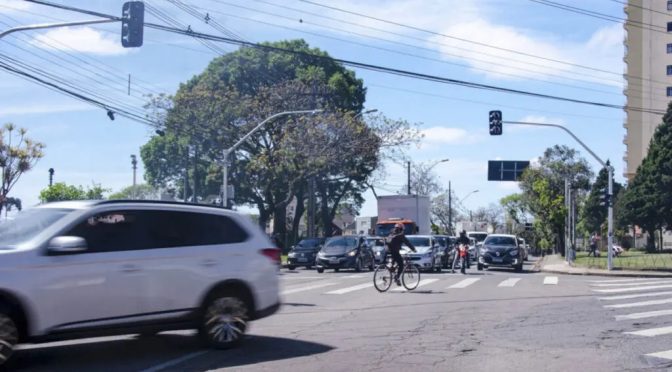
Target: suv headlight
{"type": "Point", "coordinates": [291, 254]}
{"type": "Point", "coordinates": [513, 252]}
{"type": "Point", "coordinates": [352, 253]}
{"type": "Point", "coordinates": [320, 254]}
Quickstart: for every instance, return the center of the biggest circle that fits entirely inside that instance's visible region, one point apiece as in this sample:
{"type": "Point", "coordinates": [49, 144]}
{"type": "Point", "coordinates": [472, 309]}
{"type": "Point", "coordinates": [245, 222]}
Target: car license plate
{"type": "Point", "coordinates": [497, 260]}
{"type": "Point", "coordinates": [302, 260]}
{"type": "Point", "coordinates": [333, 260]}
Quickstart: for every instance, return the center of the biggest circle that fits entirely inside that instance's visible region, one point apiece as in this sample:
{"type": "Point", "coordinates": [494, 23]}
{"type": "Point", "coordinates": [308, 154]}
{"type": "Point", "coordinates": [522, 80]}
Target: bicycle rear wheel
{"type": "Point", "coordinates": [382, 278]}
{"type": "Point", "coordinates": [410, 278]}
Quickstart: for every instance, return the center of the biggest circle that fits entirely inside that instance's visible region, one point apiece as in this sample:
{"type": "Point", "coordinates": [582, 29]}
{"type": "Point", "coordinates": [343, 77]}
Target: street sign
{"type": "Point", "coordinates": [132, 24]}
{"type": "Point", "coordinates": [496, 123]}
{"type": "Point", "coordinates": [506, 170]}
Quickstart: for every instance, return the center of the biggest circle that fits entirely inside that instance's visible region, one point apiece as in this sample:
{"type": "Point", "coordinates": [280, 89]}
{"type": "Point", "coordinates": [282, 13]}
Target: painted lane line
{"type": "Point", "coordinates": [651, 332]}
{"type": "Point", "coordinates": [422, 282]}
{"type": "Point", "coordinates": [355, 276]}
{"type": "Point", "coordinates": [621, 280]}
{"type": "Point", "coordinates": [550, 280]}
{"type": "Point", "coordinates": [630, 289]}
{"type": "Point", "coordinates": [662, 355]}
{"type": "Point", "coordinates": [631, 284]}
{"type": "Point", "coordinates": [509, 282]}
{"type": "Point", "coordinates": [647, 314]}
{"type": "Point", "coordinates": [464, 283]}
{"type": "Point", "coordinates": [640, 304]}
{"type": "Point", "coordinates": [306, 288]}
{"type": "Point", "coordinates": [176, 361]}
{"type": "Point", "coordinates": [302, 277]}
{"type": "Point", "coordinates": [627, 297]}
{"type": "Point", "coordinates": [351, 289]}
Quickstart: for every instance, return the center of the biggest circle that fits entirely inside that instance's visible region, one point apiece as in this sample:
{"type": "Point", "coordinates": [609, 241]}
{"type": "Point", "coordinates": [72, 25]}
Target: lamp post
{"type": "Point", "coordinates": [134, 163]}
{"type": "Point", "coordinates": [227, 152]}
{"type": "Point", "coordinates": [365, 112]}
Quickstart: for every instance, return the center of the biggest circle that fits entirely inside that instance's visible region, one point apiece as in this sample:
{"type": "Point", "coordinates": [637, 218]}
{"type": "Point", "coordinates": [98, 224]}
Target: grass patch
{"type": "Point", "coordinates": [283, 259]}
{"type": "Point", "coordinates": [631, 260]}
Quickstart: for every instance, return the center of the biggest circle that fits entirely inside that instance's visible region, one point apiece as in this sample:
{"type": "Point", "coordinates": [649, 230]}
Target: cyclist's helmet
{"type": "Point", "coordinates": [399, 226]}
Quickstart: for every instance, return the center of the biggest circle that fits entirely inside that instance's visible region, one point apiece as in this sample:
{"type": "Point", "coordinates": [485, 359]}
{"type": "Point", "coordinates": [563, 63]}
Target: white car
{"type": "Point", "coordinates": [428, 255]}
{"type": "Point", "coordinates": [82, 269]}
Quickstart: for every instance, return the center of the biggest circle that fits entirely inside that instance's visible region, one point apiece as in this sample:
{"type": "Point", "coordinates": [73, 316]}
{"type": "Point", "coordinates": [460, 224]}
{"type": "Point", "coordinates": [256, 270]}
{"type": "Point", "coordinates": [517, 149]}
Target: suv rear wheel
{"type": "Point", "coordinates": [224, 321]}
{"type": "Point", "coordinates": [9, 336]}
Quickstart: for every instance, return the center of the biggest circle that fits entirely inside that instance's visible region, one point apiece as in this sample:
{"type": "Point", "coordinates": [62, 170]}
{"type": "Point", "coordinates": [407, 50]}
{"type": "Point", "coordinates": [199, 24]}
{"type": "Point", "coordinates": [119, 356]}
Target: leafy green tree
{"type": "Point", "coordinates": [515, 207]}
{"type": "Point", "coordinates": [593, 214]}
{"type": "Point", "coordinates": [138, 192]}
{"type": "Point", "coordinates": [441, 213]}
{"type": "Point", "coordinates": [61, 191]}
{"type": "Point", "coordinates": [18, 155]}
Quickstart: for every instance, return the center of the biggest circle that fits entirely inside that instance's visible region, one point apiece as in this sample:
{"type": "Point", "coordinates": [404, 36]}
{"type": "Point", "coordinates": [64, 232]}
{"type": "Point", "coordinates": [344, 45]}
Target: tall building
{"type": "Point", "coordinates": [648, 59]}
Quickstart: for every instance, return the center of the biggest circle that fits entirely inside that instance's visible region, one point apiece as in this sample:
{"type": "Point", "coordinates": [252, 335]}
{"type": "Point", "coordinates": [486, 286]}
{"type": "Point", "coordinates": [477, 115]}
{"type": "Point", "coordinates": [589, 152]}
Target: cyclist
{"type": "Point", "coordinates": [394, 242]}
{"type": "Point", "coordinates": [464, 256]}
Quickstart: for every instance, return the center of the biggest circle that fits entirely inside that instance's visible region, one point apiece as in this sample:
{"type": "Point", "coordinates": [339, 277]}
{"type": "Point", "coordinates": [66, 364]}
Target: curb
{"type": "Point", "coordinates": [642, 274]}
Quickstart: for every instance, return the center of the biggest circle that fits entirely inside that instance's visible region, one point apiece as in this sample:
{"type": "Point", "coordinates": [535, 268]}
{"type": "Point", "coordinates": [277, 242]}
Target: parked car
{"type": "Point", "coordinates": [521, 243]}
{"type": "Point", "coordinates": [501, 250]}
{"type": "Point", "coordinates": [479, 236]}
{"type": "Point", "coordinates": [345, 252]}
{"type": "Point", "coordinates": [428, 255]}
{"type": "Point", "coordinates": [94, 268]}
{"type": "Point", "coordinates": [378, 247]}
{"type": "Point", "coordinates": [304, 253]}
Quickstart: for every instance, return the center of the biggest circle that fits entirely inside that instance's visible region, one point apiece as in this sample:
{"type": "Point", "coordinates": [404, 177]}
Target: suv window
{"type": "Point", "coordinates": [154, 229]}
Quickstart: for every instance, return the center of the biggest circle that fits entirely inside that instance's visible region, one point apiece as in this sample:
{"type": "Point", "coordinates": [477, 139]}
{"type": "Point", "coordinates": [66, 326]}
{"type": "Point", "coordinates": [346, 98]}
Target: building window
{"type": "Point", "coordinates": [669, 4]}
{"type": "Point", "coordinates": [669, 48]}
{"type": "Point", "coordinates": [669, 26]}
{"type": "Point", "coordinates": [669, 91]}
{"type": "Point", "coordinates": [669, 70]}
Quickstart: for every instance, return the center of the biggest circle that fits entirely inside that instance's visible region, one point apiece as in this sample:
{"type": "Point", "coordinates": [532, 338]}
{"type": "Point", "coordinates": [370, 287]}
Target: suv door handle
{"type": "Point", "coordinates": [129, 269]}
{"type": "Point", "coordinates": [208, 262]}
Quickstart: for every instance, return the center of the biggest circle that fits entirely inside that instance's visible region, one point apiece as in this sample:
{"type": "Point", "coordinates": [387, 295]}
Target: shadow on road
{"type": "Point", "coordinates": [134, 354]}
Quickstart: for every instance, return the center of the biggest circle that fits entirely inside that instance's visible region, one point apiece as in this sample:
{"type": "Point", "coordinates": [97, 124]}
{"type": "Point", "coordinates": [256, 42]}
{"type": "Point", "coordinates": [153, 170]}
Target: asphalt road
{"type": "Point", "coordinates": [493, 320]}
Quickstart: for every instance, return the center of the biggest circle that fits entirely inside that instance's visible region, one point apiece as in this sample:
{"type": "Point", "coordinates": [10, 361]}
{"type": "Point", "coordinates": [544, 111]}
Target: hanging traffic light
{"type": "Point", "coordinates": [496, 123]}
{"type": "Point", "coordinates": [132, 24]}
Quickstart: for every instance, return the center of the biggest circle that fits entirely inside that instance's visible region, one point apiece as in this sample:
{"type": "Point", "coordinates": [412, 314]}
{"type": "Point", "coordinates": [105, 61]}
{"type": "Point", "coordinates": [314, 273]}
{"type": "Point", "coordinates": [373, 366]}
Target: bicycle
{"type": "Point", "coordinates": [384, 275]}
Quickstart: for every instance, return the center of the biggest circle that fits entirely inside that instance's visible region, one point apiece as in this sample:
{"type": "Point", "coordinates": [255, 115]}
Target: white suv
{"type": "Point", "coordinates": [80, 269]}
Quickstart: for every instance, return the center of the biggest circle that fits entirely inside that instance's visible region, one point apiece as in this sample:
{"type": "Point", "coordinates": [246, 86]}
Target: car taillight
{"type": "Point", "coordinates": [272, 253]}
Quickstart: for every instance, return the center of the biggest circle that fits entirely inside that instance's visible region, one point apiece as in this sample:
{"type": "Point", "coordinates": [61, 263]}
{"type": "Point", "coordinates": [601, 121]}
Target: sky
{"type": "Point", "coordinates": [509, 43]}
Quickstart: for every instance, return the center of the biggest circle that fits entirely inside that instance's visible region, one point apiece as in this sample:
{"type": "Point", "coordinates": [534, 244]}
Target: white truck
{"type": "Point", "coordinates": [410, 210]}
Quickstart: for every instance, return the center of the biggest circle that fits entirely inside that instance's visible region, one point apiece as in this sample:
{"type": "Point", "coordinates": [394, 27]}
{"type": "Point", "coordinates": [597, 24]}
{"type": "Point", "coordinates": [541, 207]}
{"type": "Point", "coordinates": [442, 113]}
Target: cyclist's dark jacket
{"type": "Point", "coordinates": [463, 239]}
{"type": "Point", "coordinates": [394, 242]}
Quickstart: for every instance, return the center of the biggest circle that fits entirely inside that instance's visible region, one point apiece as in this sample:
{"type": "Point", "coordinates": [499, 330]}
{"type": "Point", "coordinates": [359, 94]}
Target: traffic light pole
{"type": "Point", "coordinates": [610, 170]}
{"type": "Point", "coordinates": [54, 25]}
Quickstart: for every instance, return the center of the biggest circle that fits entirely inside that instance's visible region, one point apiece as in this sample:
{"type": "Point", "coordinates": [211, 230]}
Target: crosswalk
{"type": "Point", "coordinates": [343, 285]}
{"type": "Point", "coordinates": [634, 299]}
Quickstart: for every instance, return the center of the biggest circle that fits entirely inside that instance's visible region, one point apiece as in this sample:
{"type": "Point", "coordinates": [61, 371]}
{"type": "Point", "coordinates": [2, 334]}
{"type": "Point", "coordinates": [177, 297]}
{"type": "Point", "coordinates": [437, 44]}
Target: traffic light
{"type": "Point", "coordinates": [605, 197]}
{"type": "Point", "coordinates": [132, 24]}
{"type": "Point", "coordinates": [496, 123]}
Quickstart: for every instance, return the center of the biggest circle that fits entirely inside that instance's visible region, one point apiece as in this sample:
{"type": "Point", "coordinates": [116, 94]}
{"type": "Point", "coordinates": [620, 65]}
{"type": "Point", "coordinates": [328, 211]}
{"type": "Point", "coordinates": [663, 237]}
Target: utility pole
{"type": "Point", "coordinates": [134, 163]}
{"type": "Point", "coordinates": [409, 177]}
{"type": "Point", "coordinates": [450, 210]}
{"type": "Point", "coordinates": [567, 218]}
{"type": "Point", "coordinates": [51, 176]}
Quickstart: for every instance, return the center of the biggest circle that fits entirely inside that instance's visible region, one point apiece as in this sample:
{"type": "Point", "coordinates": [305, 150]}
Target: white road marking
{"type": "Point", "coordinates": [639, 304]}
{"type": "Point", "coordinates": [630, 289]}
{"type": "Point", "coordinates": [351, 289]}
{"type": "Point", "coordinates": [647, 314]}
{"type": "Point", "coordinates": [661, 354]}
{"type": "Point", "coordinates": [631, 284]}
{"type": "Point", "coordinates": [509, 282]}
{"type": "Point", "coordinates": [464, 283]}
{"type": "Point", "coordinates": [306, 288]}
{"type": "Point", "coordinates": [303, 277]}
{"type": "Point", "coordinates": [620, 280]}
{"type": "Point", "coordinates": [626, 297]}
{"type": "Point", "coordinates": [550, 280]}
{"type": "Point", "coordinates": [422, 282]}
{"type": "Point", "coordinates": [651, 332]}
{"type": "Point", "coordinates": [355, 276]}
{"type": "Point", "coordinates": [175, 361]}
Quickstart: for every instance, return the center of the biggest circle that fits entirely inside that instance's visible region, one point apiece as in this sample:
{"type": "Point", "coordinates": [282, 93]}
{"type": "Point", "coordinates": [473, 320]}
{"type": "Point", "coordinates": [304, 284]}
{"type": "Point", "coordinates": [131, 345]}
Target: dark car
{"type": "Point", "coordinates": [446, 243]}
{"type": "Point", "coordinates": [501, 250]}
{"type": "Point", "coordinates": [377, 245]}
{"type": "Point", "coordinates": [345, 252]}
{"type": "Point", "coordinates": [304, 253]}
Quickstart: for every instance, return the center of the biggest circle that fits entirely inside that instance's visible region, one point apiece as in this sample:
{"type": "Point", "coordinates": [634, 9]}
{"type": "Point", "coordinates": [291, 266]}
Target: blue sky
{"type": "Point", "coordinates": [84, 146]}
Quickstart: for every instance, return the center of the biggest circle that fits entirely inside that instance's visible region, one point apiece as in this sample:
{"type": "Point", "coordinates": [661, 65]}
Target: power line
{"type": "Point", "coordinates": [367, 66]}
{"type": "Point", "coordinates": [640, 7]}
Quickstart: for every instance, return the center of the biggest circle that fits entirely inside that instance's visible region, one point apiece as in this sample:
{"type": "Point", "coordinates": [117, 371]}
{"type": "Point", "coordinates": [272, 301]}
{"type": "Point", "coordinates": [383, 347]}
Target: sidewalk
{"type": "Point", "coordinates": [557, 264]}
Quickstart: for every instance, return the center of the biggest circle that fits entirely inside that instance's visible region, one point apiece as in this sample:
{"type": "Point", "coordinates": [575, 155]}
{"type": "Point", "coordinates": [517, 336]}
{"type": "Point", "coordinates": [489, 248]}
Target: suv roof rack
{"type": "Point", "coordinates": [161, 202]}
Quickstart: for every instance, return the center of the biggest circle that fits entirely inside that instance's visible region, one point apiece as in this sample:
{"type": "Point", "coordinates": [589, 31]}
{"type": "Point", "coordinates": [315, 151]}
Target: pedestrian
{"type": "Point", "coordinates": [461, 251]}
{"type": "Point", "coordinates": [593, 246]}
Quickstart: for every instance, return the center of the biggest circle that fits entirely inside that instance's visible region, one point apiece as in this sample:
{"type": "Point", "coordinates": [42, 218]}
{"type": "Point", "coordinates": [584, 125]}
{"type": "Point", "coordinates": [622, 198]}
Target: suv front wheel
{"type": "Point", "coordinates": [224, 321]}
{"type": "Point", "coordinates": [9, 336]}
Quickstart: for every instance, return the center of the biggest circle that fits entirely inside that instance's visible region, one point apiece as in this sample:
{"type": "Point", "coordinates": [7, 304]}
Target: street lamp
{"type": "Point", "coordinates": [226, 152]}
{"type": "Point", "coordinates": [365, 112]}
{"type": "Point", "coordinates": [468, 195]}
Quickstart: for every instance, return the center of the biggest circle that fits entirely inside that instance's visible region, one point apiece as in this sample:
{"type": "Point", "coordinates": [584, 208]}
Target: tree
{"type": "Point", "coordinates": [18, 155]}
{"type": "Point", "coordinates": [139, 192]}
{"type": "Point", "coordinates": [647, 201]}
{"type": "Point", "coordinates": [61, 192]}
{"type": "Point", "coordinates": [441, 212]}
{"type": "Point", "coordinates": [515, 208]}
{"type": "Point", "coordinates": [423, 180]}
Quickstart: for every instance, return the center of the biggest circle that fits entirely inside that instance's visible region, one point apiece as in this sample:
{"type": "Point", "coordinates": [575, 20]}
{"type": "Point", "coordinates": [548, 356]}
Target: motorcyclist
{"type": "Point", "coordinates": [394, 242]}
{"type": "Point", "coordinates": [463, 239]}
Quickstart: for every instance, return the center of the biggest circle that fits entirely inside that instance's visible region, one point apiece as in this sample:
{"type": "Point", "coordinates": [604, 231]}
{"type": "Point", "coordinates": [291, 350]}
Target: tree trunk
{"type": "Point", "coordinates": [327, 222]}
{"type": "Point", "coordinates": [280, 224]}
{"type": "Point", "coordinates": [298, 214]}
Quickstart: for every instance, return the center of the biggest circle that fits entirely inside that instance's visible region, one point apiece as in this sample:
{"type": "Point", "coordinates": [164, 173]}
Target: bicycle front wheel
{"type": "Point", "coordinates": [382, 278]}
{"type": "Point", "coordinates": [410, 278]}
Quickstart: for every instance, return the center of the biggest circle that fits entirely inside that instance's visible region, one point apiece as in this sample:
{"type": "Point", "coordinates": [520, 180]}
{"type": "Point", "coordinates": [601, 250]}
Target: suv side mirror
{"type": "Point", "coordinates": [67, 244]}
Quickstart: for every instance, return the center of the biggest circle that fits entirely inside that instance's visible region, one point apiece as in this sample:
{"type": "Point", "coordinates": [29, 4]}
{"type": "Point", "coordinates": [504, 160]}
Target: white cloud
{"type": "Point", "coordinates": [80, 39]}
{"type": "Point", "coordinates": [435, 137]}
{"type": "Point", "coordinates": [508, 186]}
{"type": "Point", "coordinates": [11, 6]}
{"type": "Point", "coordinates": [28, 109]}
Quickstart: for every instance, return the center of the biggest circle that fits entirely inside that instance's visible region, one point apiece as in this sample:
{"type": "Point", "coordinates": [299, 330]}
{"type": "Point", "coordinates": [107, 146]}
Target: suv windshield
{"type": "Point", "coordinates": [342, 242]}
{"type": "Point", "coordinates": [27, 225]}
{"type": "Point", "coordinates": [500, 240]}
{"type": "Point", "coordinates": [419, 242]}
